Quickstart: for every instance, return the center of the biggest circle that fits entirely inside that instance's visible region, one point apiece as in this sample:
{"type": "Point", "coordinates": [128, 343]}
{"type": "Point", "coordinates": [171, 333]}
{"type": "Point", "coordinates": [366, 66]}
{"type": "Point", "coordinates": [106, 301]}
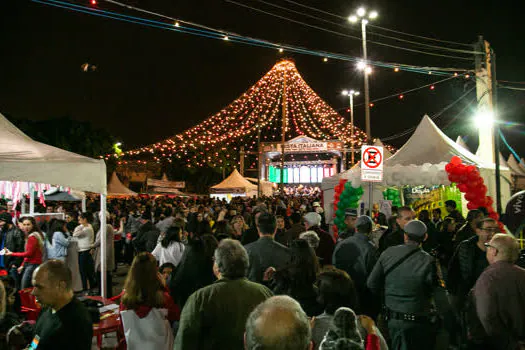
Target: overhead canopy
{"type": "Point", "coordinates": [116, 188]}
{"type": "Point", "coordinates": [386, 153]}
{"type": "Point", "coordinates": [23, 159]}
{"type": "Point", "coordinates": [235, 183]}
{"type": "Point", "coordinates": [58, 196]}
{"type": "Point", "coordinates": [515, 167]}
{"type": "Point", "coordinates": [428, 144]}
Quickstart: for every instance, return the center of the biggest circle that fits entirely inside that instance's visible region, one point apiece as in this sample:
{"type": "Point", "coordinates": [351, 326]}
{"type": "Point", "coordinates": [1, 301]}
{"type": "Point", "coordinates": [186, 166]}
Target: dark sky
{"type": "Point", "coordinates": [151, 84]}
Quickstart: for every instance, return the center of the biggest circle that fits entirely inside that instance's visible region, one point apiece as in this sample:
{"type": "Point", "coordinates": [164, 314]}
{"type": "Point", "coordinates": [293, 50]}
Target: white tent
{"type": "Point", "coordinates": [460, 141]}
{"type": "Point", "coordinates": [235, 184]}
{"type": "Point", "coordinates": [23, 159]}
{"type": "Point", "coordinates": [116, 188]}
{"type": "Point", "coordinates": [266, 186]}
{"type": "Point", "coordinates": [422, 160]}
{"type": "Point", "coordinates": [515, 166]}
{"type": "Point", "coordinates": [386, 153]}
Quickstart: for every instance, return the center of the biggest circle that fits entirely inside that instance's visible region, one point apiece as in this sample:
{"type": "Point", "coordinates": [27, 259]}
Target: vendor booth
{"type": "Point", "coordinates": [420, 164]}
{"type": "Point", "coordinates": [235, 185]}
{"type": "Point", "coordinates": [117, 188]}
{"type": "Point", "coordinates": [25, 160]}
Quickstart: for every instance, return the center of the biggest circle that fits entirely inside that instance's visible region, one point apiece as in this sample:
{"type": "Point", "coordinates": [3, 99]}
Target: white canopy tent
{"type": "Point", "coordinates": [235, 185]}
{"type": "Point", "coordinates": [386, 153]}
{"type": "Point", "coordinates": [515, 166]}
{"type": "Point", "coordinates": [422, 160]}
{"type": "Point", "coordinates": [117, 188]}
{"type": "Point", "coordinates": [23, 159]}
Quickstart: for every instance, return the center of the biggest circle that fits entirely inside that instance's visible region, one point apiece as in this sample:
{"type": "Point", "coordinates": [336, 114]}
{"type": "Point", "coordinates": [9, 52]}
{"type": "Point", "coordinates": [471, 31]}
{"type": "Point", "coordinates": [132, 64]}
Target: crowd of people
{"type": "Point", "coordinates": [266, 274]}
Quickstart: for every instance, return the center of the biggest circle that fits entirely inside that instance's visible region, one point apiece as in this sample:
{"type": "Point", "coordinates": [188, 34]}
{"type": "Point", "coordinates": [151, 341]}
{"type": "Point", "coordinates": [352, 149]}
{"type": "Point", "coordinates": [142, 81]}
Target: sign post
{"type": "Point", "coordinates": [371, 169]}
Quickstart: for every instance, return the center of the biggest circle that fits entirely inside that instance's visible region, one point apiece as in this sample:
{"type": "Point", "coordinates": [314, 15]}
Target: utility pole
{"type": "Point", "coordinates": [283, 127]}
{"type": "Point", "coordinates": [241, 163]}
{"type": "Point", "coordinates": [367, 92]}
{"type": "Point", "coordinates": [486, 90]}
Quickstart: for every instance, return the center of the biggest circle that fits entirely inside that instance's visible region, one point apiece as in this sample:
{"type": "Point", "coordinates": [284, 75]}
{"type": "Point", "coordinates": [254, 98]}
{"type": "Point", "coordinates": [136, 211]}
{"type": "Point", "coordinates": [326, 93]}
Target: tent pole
{"type": "Point", "coordinates": [23, 207]}
{"type": "Point", "coordinates": [84, 204]}
{"type": "Point", "coordinates": [103, 261]}
{"type": "Point", "coordinates": [31, 199]}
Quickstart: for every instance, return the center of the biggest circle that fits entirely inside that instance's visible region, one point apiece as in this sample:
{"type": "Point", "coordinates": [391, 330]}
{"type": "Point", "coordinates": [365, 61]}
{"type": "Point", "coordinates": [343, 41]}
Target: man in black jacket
{"type": "Point", "coordinates": [390, 239]}
{"type": "Point", "coordinates": [147, 235]}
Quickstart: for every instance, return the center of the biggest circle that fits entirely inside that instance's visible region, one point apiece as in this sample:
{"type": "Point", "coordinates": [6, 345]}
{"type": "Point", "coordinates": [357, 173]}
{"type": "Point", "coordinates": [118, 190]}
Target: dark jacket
{"type": "Point", "coordinates": [265, 253]}
{"type": "Point", "coordinates": [465, 232]}
{"type": "Point", "coordinates": [472, 262]}
{"type": "Point", "coordinates": [194, 271]}
{"type": "Point", "coordinates": [410, 286]}
{"type": "Point", "coordinates": [215, 316]}
{"type": "Point", "coordinates": [391, 239]}
{"type": "Point", "coordinates": [147, 237]}
{"type": "Point", "coordinates": [326, 247]}
{"type": "Point", "coordinates": [282, 236]}
{"type": "Point", "coordinates": [14, 241]}
{"type": "Point", "coordinates": [357, 255]}
{"type": "Point", "coordinates": [294, 231]}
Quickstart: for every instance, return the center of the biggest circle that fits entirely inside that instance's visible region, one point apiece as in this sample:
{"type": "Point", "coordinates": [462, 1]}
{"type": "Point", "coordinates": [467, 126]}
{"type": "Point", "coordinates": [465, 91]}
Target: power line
{"type": "Point", "coordinates": [434, 117]}
{"type": "Point", "coordinates": [390, 30]}
{"type": "Point", "coordinates": [511, 82]}
{"type": "Point", "coordinates": [435, 47]}
{"type": "Point", "coordinates": [346, 35]}
{"type": "Point", "coordinates": [221, 34]}
{"type": "Point", "coordinates": [510, 87]}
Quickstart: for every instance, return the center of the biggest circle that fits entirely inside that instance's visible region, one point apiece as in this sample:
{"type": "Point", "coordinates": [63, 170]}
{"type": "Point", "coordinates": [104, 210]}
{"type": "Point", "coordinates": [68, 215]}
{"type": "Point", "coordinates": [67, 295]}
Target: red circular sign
{"type": "Point", "coordinates": [372, 157]}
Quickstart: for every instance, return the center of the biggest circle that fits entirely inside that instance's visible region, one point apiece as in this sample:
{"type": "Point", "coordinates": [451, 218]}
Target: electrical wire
{"type": "Point", "coordinates": [510, 87]}
{"type": "Point", "coordinates": [220, 35]}
{"type": "Point", "coordinates": [434, 118]}
{"type": "Point", "coordinates": [435, 47]}
{"type": "Point", "coordinates": [346, 35]}
{"type": "Point", "coordinates": [387, 29]}
{"type": "Point", "coordinates": [508, 146]}
{"type": "Point", "coordinates": [511, 82]}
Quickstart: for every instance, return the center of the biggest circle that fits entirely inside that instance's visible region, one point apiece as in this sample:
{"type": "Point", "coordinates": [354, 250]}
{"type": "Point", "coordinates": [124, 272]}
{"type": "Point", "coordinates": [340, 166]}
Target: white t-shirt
{"type": "Point", "coordinates": [171, 254]}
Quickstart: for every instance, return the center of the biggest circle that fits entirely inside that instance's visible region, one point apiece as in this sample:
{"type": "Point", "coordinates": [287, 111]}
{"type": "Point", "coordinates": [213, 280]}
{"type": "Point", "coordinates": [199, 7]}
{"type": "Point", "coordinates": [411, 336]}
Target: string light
{"type": "Point", "coordinates": [401, 97]}
{"type": "Point", "coordinates": [215, 141]}
{"type": "Point", "coordinates": [396, 69]}
{"type": "Point", "coordinates": [177, 24]}
{"type": "Point", "coordinates": [432, 87]}
{"type": "Point", "coordinates": [226, 38]}
{"type": "Point", "coordinates": [325, 59]}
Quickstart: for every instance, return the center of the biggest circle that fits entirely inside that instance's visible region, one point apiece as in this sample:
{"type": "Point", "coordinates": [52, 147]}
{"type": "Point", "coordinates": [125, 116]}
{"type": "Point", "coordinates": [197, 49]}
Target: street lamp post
{"type": "Point", "coordinates": [364, 16]}
{"type": "Point", "coordinates": [351, 94]}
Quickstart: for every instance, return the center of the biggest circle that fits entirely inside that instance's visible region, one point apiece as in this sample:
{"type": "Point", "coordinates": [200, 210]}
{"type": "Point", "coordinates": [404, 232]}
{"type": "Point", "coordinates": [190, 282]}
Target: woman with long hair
{"type": "Point", "coordinates": [239, 226]}
{"type": "Point", "coordinates": [57, 240]}
{"type": "Point", "coordinates": [170, 248]}
{"type": "Point", "coordinates": [34, 250]}
{"type": "Point", "coordinates": [85, 237]}
{"type": "Point", "coordinates": [146, 297]}
{"type": "Point", "coordinates": [298, 278]}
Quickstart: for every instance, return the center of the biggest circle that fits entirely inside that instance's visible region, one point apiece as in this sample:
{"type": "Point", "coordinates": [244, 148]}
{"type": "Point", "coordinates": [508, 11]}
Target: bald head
{"type": "Point", "coordinates": [507, 247]}
{"type": "Point", "coordinates": [279, 323]}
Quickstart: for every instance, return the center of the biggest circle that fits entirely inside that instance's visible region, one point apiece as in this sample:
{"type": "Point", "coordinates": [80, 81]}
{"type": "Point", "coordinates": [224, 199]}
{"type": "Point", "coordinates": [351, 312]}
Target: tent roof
{"type": "Point", "coordinates": [428, 144]}
{"type": "Point", "coordinates": [235, 181]}
{"type": "Point", "coordinates": [23, 159]}
{"type": "Point", "coordinates": [116, 188]}
{"type": "Point", "coordinates": [460, 141]}
{"type": "Point", "coordinates": [386, 153]}
{"type": "Point", "coordinates": [514, 166]}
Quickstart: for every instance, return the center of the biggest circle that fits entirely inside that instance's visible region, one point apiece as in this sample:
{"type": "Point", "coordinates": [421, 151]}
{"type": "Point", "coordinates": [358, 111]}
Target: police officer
{"type": "Point", "coordinates": [350, 222]}
{"type": "Point", "coordinates": [407, 274]}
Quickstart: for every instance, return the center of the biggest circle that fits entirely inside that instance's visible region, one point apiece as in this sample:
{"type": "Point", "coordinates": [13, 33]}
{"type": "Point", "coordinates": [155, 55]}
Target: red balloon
{"type": "Point", "coordinates": [494, 216]}
{"type": "Point", "coordinates": [463, 188]}
{"type": "Point", "coordinates": [471, 206]}
{"type": "Point", "coordinates": [462, 178]}
{"type": "Point", "coordinates": [456, 160]}
{"type": "Point", "coordinates": [448, 167]}
{"type": "Point", "coordinates": [490, 201]}
{"type": "Point", "coordinates": [471, 168]}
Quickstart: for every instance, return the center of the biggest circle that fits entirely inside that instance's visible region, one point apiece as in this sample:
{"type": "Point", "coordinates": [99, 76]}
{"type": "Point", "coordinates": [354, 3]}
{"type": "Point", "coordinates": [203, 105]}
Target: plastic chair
{"type": "Point", "coordinates": [28, 304]}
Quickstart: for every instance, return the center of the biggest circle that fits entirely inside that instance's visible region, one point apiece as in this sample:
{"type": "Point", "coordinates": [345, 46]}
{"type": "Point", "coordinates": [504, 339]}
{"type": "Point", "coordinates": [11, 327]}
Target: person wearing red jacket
{"type": "Point", "coordinates": [33, 250]}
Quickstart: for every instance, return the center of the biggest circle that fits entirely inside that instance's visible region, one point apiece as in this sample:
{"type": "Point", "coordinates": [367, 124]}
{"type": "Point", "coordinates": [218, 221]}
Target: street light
{"type": "Point", "coordinates": [364, 16]}
{"type": "Point", "coordinates": [351, 94]}
{"type": "Point", "coordinates": [484, 119]}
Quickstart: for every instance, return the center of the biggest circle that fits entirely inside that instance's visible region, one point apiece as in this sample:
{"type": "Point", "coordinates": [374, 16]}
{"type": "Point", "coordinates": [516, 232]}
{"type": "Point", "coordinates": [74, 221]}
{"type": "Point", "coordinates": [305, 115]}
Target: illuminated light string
{"type": "Point", "coordinates": [220, 34]}
{"type": "Point", "coordinates": [215, 141]}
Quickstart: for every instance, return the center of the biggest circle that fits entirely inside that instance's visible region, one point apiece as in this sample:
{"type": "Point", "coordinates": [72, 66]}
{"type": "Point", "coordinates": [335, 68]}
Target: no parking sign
{"type": "Point", "coordinates": [372, 163]}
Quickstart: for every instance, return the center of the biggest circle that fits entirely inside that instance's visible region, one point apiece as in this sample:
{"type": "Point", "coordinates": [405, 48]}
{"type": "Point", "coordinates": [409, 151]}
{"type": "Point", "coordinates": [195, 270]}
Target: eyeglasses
{"type": "Point", "coordinates": [490, 245]}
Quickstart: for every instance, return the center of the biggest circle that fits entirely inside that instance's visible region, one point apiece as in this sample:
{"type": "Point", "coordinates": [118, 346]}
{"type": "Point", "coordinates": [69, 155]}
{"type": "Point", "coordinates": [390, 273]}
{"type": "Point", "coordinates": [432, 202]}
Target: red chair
{"type": "Point", "coordinates": [28, 304]}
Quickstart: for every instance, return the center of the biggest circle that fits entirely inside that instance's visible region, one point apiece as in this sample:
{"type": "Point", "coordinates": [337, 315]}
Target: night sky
{"type": "Point", "coordinates": [151, 84]}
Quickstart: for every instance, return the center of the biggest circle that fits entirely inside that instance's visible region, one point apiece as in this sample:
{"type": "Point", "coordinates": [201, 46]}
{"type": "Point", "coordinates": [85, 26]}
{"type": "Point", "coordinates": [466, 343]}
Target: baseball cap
{"type": "Point", "coordinates": [351, 212]}
{"type": "Point", "coordinates": [416, 228]}
{"type": "Point", "coordinates": [363, 220]}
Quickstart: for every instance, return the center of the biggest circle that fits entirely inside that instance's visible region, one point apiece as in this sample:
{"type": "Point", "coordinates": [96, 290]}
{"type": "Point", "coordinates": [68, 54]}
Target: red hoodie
{"type": "Point", "coordinates": [33, 253]}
